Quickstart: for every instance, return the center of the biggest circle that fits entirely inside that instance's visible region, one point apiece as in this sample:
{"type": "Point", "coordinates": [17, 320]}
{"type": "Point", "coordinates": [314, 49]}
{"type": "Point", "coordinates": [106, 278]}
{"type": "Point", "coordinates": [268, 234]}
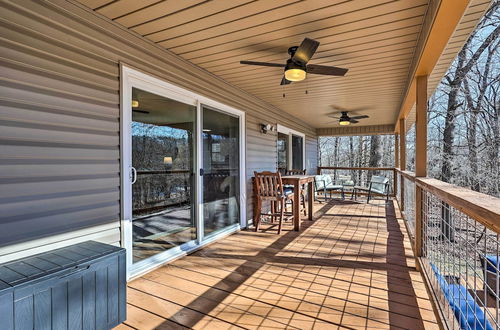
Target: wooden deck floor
{"type": "Point", "coordinates": [351, 268]}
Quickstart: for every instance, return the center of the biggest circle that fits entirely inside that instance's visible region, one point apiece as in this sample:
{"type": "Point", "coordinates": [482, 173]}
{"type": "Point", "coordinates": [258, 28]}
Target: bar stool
{"type": "Point", "coordinates": [269, 187]}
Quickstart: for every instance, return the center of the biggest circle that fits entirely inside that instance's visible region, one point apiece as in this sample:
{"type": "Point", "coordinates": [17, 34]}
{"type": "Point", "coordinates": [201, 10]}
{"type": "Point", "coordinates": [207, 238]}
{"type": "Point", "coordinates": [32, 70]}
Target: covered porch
{"type": "Point", "coordinates": [351, 267]}
{"type": "Point", "coordinates": [138, 124]}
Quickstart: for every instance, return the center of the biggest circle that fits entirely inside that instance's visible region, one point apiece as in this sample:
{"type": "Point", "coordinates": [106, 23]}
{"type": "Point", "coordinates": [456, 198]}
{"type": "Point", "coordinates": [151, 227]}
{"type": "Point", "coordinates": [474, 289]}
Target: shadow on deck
{"type": "Point", "coordinates": [351, 268]}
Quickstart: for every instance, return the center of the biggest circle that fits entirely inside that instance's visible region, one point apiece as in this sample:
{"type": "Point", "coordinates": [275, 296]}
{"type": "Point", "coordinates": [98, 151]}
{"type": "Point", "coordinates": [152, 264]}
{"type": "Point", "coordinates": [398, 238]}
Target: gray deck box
{"type": "Point", "coordinates": [82, 286]}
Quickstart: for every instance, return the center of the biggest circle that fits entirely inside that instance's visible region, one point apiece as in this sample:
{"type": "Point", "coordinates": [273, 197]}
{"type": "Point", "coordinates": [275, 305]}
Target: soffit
{"type": "Point", "coordinates": [374, 39]}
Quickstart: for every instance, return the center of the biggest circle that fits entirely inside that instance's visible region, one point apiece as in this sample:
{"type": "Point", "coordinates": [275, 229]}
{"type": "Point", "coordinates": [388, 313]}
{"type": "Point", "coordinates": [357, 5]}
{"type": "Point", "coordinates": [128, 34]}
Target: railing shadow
{"type": "Point", "coordinates": [396, 257]}
{"type": "Point", "coordinates": [402, 304]}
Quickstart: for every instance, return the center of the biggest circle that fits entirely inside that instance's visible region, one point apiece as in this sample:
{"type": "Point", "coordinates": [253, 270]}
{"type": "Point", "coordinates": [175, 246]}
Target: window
{"type": "Point", "coordinates": [290, 149]}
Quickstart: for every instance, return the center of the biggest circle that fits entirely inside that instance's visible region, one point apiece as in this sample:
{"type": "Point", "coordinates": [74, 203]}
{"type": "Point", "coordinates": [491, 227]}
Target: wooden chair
{"type": "Point", "coordinates": [269, 187]}
{"type": "Point", "coordinates": [302, 190]}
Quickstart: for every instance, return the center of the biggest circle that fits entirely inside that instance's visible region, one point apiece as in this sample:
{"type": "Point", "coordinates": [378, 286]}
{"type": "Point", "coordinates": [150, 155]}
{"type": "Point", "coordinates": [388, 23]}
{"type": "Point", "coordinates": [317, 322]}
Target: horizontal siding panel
{"type": "Point", "coordinates": [53, 119]}
{"type": "Point", "coordinates": [13, 96]}
{"type": "Point", "coordinates": [21, 74]}
{"type": "Point", "coordinates": [52, 206]}
{"type": "Point", "coordinates": [41, 170]}
{"type": "Point", "coordinates": [26, 191]}
{"type": "Point", "coordinates": [70, 219]}
{"type": "Point", "coordinates": [32, 37]}
{"type": "Point", "coordinates": [57, 136]}
{"type": "Point", "coordinates": [50, 62]}
{"type": "Point", "coordinates": [83, 155]}
{"type": "Point", "coordinates": [32, 123]}
{"type": "Point", "coordinates": [56, 91]}
{"type": "Point", "coordinates": [12, 90]}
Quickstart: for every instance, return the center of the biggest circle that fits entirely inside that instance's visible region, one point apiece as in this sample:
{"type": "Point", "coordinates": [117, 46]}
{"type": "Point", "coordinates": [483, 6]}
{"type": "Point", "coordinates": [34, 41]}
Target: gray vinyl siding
{"type": "Point", "coordinates": [59, 121]}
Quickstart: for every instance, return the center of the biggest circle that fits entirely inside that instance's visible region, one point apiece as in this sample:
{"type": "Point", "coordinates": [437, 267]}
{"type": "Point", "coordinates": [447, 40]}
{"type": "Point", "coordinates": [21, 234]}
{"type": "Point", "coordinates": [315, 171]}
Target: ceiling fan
{"type": "Point", "coordinates": [296, 66]}
{"type": "Point", "coordinates": [345, 119]}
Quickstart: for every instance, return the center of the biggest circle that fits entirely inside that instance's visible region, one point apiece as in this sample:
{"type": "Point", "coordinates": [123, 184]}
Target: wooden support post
{"type": "Point", "coordinates": [420, 157]}
{"type": "Point", "coordinates": [402, 158]}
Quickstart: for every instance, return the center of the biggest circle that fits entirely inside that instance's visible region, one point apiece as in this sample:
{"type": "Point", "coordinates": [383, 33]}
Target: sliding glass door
{"type": "Point", "coordinates": [163, 159]}
{"type": "Point", "coordinates": [221, 170]}
{"type": "Point", "coordinates": [182, 170]}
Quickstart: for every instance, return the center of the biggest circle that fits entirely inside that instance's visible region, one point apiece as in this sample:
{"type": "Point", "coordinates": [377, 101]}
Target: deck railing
{"type": "Point", "coordinates": [455, 234]}
{"type": "Point", "coordinates": [408, 201]}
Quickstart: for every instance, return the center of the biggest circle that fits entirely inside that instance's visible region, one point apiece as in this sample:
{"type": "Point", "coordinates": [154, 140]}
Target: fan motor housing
{"type": "Point", "coordinates": [290, 64]}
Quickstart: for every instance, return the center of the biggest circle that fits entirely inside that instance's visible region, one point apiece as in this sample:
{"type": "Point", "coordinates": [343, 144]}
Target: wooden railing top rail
{"type": "Point", "coordinates": [480, 207]}
{"type": "Point", "coordinates": [483, 208]}
{"type": "Point", "coordinates": [407, 174]}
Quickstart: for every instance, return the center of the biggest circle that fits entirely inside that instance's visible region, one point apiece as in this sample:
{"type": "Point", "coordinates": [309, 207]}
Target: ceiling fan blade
{"type": "Point", "coordinates": [263, 64]}
{"type": "Point", "coordinates": [353, 121]}
{"type": "Point", "coordinates": [140, 111]}
{"type": "Point", "coordinates": [305, 51]}
{"type": "Point", "coordinates": [326, 70]}
{"type": "Point", "coordinates": [284, 81]}
{"type": "Point", "coordinates": [331, 116]}
{"type": "Point", "coordinates": [360, 117]}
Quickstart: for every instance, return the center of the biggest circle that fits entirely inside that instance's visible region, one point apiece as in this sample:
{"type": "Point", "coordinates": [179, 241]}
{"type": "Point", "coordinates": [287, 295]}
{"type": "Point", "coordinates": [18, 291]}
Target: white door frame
{"type": "Point", "coordinates": [290, 132]}
{"type": "Point", "coordinates": [133, 78]}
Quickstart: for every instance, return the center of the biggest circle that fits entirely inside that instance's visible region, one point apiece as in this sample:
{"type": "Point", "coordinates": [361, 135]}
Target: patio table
{"type": "Point", "coordinates": [298, 181]}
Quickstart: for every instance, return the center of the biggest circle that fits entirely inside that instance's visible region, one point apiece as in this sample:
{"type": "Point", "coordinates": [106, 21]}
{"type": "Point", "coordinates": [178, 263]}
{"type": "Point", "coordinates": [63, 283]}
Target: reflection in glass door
{"type": "Point", "coordinates": [163, 189]}
{"type": "Point", "coordinates": [221, 170]}
{"type": "Point", "coordinates": [282, 153]}
{"type": "Point", "coordinates": [297, 152]}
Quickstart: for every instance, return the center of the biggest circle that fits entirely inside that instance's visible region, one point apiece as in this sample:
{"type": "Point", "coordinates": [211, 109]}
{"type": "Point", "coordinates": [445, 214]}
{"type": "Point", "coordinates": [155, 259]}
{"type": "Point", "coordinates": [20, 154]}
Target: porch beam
{"type": "Point", "coordinates": [420, 157]}
{"type": "Point", "coordinates": [402, 160]}
{"type": "Point", "coordinates": [355, 130]}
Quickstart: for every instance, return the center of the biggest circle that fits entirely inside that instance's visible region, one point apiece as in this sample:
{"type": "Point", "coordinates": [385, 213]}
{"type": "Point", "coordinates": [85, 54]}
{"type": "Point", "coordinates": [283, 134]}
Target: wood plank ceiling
{"type": "Point", "coordinates": [374, 39]}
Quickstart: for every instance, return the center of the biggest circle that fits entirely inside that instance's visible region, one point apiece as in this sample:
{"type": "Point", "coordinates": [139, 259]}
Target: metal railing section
{"type": "Point", "coordinates": [409, 205]}
{"type": "Point", "coordinates": [398, 186]}
{"type": "Point", "coordinates": [461, 258]}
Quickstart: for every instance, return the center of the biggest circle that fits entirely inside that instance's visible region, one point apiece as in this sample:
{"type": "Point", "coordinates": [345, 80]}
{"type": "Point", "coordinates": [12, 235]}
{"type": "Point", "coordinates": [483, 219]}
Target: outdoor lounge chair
{"type": "Point", "coordinates": [490, 265]}
{"type": "Point", "coordinates": [378, 185]}
{"type": "Point", "coordinates": [468, 313]}
{"type": "Point", "coordinates": [324, 183]}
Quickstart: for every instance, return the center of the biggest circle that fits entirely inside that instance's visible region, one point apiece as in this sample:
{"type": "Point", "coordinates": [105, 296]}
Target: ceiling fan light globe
{"type": "Point", "coordinates": [344, 122]}
{"type": "Point", "coordinates": [295, 74]}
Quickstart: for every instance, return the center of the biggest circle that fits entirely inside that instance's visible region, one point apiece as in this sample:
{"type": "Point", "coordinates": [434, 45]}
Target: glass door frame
{"type": "Point", "coordinates": [130, 78]}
